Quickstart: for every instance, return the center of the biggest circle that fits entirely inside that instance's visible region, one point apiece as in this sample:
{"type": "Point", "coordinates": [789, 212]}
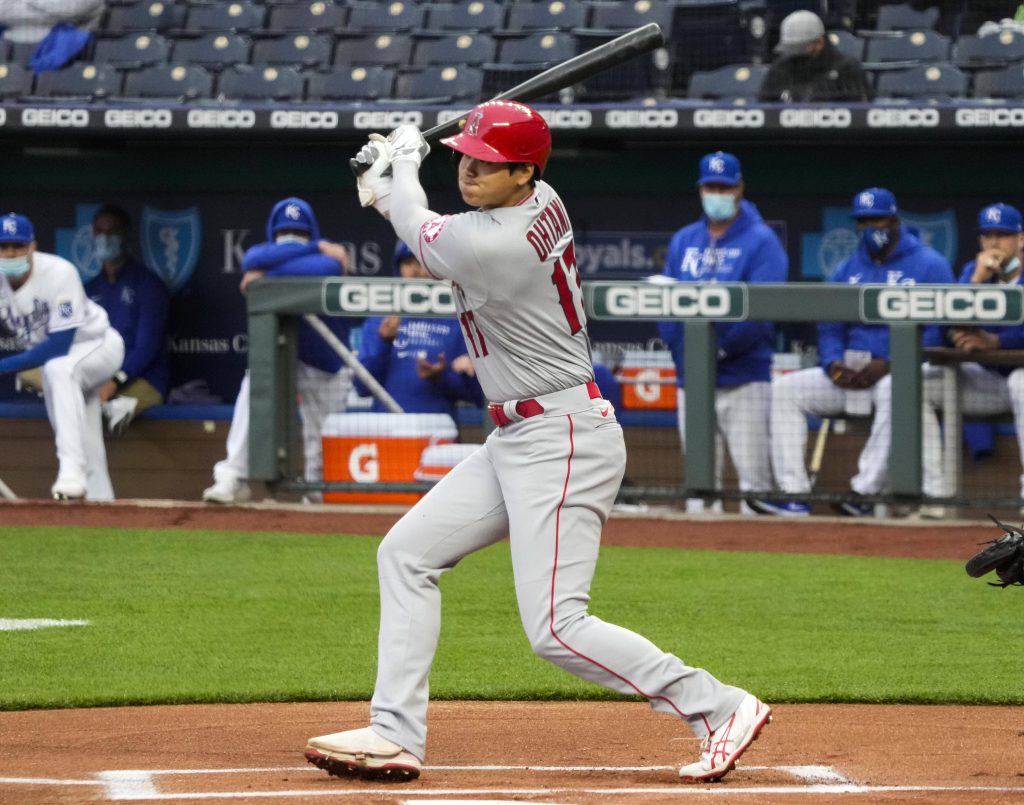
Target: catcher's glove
{"type": "Point", "coordinates": [1004, 555]}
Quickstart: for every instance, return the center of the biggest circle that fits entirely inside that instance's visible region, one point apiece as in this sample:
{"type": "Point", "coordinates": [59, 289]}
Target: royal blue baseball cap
{"type": "Point", "coordinates": [16, 228]}
{"type": "Point", "coordinates": [875, 202]}
{"type": "Point", "coordinates": [720, 168]}
{"type": "Point", "coordinates": [999, 218]}
{"type": "Point", "coordinates": [294, 214]}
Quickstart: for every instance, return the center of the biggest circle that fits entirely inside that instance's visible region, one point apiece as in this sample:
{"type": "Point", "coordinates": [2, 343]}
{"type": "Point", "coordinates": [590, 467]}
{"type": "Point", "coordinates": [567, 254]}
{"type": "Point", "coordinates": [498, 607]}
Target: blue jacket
{"type": "Point", "coordinates": [749, 251]}
{"type": "Point", "coordinates": [911, 263]}
{"type": "Point", "coordinates": [137, 302]}
{"type": "Point", "coordinates": [393, 365]}
{"type": "Point", "coordinates": [1009, 337]}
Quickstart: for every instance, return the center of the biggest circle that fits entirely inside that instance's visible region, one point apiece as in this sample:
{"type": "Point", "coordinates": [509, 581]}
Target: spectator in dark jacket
{"type": "Point", "coordinates": [809, 67]}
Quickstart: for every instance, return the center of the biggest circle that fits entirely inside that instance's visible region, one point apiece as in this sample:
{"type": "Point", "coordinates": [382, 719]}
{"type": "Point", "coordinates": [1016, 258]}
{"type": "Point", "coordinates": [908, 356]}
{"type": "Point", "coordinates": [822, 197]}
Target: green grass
{"type": "Point", "coordinates": [228, 617]}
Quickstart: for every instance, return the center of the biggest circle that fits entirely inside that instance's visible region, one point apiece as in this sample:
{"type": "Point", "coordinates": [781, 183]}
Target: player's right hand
{"type": "Point", "coordinates": [374, 183]}
{"type": "Point", "coordinates": [407, 143]}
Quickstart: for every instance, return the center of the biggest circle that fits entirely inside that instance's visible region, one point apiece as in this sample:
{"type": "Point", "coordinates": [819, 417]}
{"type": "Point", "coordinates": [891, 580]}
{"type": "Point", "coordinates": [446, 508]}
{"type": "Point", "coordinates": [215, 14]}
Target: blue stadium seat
{"type": "Point", "coordinates": [148, 15]}
{"type": "Point", "coordinates": [473, 15]}
{"type": "Point", "coordinates": [1005, 83]}
{"type": "Point", "coordinates": [87, 82]}
{"type": "Point", "coordinates": [988, 52]}
{"type": "Point", "coordinates": [546, 15]}
{"type": "Point", "coordinates": [938, 82]}
{"type": "Point", "coordinates": [707, 35]}
{"type": "Point", "coordinates": [538, 48]}
{"type": "Point", "coordinates": [395, 15]}
{"type": "Point", "coordinates": [307, 16]}
{"type": "Point", "coordinates": [5, 49]}
{"type": "Point", "coordinates": [231, 16]}
{"type": "Point", "coordinates": [169, 82]}
{"type": "Point", "coordinates": [464, 48]}
{"type": "Point", "coordinates": [377, 49]}
{"type": "Point", "coordinates": [908, 47]}
{"type": "Point", "coordinates": [299, 49]}
{"type": "Point", "coordinates": [636, 78]}
{"type": "Point", "coordinates": [626, 16]}
{"type": "Point", "coordinates": [901, 16]}
{"type": "Point", "coordinates": [15, 81]}
{"type": "Point", "coordinates": [848, 44]}
{"type": "Point", "coordinates": [736, 82]}
{"type": "Point", "coordinates": [351, 84]}
{"type": "Point", "coordinates": [441, 84]}
{"type": "Point", "coordinates": [132, 50]}
{"type": "Point", "coordinates": [215, 50]}
{"type": "Point", "coordinates": [245, 82]}
{"type": "Point", "coordinates": [21, 52]}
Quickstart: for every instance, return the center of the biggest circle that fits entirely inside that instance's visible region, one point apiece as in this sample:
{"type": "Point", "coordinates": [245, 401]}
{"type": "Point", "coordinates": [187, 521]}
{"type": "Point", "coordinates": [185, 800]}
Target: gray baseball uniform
{"type": "Point", "coordinates": [547, 477]}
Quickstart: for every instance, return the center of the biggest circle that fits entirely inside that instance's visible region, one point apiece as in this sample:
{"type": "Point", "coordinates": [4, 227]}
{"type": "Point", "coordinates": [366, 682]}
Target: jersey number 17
{"type": "Point", "coordinates": [565, 266]}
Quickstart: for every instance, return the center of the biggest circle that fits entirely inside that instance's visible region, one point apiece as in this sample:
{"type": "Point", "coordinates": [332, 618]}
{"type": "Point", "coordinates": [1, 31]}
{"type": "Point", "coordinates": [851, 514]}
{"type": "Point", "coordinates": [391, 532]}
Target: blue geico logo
{"type": "Point", "coordinates": [953, 305]}
{"type": "Point", "coordinates": [170, 243]}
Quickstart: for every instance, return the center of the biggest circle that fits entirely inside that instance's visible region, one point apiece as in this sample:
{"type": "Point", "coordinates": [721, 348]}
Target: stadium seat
{"type": "Point", "coordinates": [378, 49]}
{"type": "Point", "coordinates": [539, 48]}
{"type": "Point", "coordinates": [351, 84]}
{"type": "Point", "coordinates": [132, 50]}
{"type": "Point", "coordinates": [474, 15]}
{"type": "Point", "coordinates": [630, 15]}
{"type": "Point", "coordinates": [169, 82]}
{"type": "Point", "coordinates": [386, 16]}
{"type": "Point", "coordinates": [847, 43]}
{"type": "Point", "coordinates": [317, 16]}
{"type": "Point", "coordinates": [908, 47]}
{"type": "Point", "coordinates": [937, 82]}
{"type": "Point", "coordinates": [736, 82]}
{"type": "Point", "coordinates": [550, 15]}
{"type": "Point", "coordinates": [149, 15]}
{"type": "Point", "coordinates": [635, 78]}
{"type": "Point", "coordinates": [464, 48]}
{"type": "Point", "coordinates": [213, 50]}
{"type": "Point", "coordinates": [902, 16]}
{"type": "Point", "coordinates": [15, 81]}
{"type": "Point", "coordinates": [21, 52]}
{"type": "Point", "coordinates": [1005, 83]}
{"type": "Point", "coordinates": [441, 84]}
{"type": "Point", "coordinates": [707, 35]}
{"type": "Point", "coordinates": [996, 50]}
{"type": "Point", "coordinates": [232, 16]}
{"type": "Point", "coordinates": [302, 50]}
{"type": "Point", "coordinates": [5, 49]}
{"type": "Point", "coordinates": [87, 82]}
{"type": "Point", "coordinates": [245, 82]}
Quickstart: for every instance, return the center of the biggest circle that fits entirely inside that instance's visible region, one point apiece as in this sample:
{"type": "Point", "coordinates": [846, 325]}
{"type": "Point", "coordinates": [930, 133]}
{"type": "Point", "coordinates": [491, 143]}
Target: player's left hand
{"type": "Point", "coordinates": [464, 366]}
{"type": "Point", "coordinates": [407, 143]}
{"type": "Point", "coordinates": [248, 277]}
{"type": "Point", "coordinates": [374, 184]}
{"type": "Point", "coordinates": [974, 339]}
{"type": "Point", "coordinates": [870, 374]}
{"type": "Point", "coordinates": [430, 371]}
{"type": "Point", "coordinates": [107, 390]}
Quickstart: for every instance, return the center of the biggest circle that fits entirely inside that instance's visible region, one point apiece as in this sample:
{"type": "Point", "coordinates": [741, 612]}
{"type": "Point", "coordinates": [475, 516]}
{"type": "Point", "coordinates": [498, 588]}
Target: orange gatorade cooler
{"type": "Point", "coordinates": [375, 448]}
{"type": "Point", "coordinates": [648, 380]}
{"type": "Point", "coordinates": [438, 460]}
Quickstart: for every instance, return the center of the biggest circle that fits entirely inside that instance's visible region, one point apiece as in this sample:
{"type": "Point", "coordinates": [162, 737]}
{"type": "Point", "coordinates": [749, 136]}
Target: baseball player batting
{"type": "Point", "coordinates": [547, 475]}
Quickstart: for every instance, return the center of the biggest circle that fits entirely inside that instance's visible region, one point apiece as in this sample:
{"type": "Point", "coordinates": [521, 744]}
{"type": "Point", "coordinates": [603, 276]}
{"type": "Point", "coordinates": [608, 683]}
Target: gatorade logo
{"type": "Point", "coordinates": [363, 464]}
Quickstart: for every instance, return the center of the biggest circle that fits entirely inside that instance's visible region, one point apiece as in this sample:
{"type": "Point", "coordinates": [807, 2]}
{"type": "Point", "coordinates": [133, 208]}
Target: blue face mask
{"type": "Point", "coordinates": [1010, 266]}
{"type": "Point", "coordinates": [14, 267]}
{"type": "Point", "coordinates": [106, 247]}
{"type": "Point", "coordinates": [289, 238]}
{"type": "Point", "coordinates": [875, 240]}
{"type": "Point", "coordinates": [718, 206]}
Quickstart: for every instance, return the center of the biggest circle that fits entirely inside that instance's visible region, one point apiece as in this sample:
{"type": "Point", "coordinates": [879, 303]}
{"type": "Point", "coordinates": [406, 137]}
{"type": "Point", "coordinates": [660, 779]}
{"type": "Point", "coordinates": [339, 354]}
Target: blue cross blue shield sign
{"type": "Point", "coordinates": [170, 241]}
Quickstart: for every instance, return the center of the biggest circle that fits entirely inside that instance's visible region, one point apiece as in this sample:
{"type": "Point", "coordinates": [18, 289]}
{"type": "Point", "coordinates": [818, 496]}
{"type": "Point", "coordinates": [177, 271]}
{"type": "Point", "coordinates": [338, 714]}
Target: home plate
{"type": "Point", "coordinates": [27, 624]}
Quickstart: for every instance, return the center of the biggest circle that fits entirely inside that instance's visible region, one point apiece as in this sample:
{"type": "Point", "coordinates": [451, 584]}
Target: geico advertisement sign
{"type": "Point", "coordinates": [954, 305]}
{"type": "Point", "coordinates": [372, 297]}
{"type": "Point", "coordinates": [677, 301]}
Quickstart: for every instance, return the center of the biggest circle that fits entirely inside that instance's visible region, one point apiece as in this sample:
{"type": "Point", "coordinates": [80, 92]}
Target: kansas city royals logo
{"type": "Point", "coordinates": [994, 215]}
{"type": "Point", "coordinates": [10, 226]}
{"type": "Point", "coordinates": [716, 165]}
{"type": "Point", "coordinates": [292, 212]}
{"type": "Point", "coordinates": [64, 309]}
{"type": "Point", "coordinates": [170, 243]}
{"type": "Point", "coordinates": [867, 200]}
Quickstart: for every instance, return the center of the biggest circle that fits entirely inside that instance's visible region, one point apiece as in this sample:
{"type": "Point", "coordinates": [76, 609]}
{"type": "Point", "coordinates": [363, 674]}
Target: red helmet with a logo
{"type": "Point", "coordinates": [504, 131]}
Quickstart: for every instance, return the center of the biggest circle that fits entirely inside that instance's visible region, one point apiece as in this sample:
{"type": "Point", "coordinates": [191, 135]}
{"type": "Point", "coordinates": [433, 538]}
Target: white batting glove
{"type": "Point", "coordinates": [406, 143]}
{"type": "Point", "coordinates": [374, 184]}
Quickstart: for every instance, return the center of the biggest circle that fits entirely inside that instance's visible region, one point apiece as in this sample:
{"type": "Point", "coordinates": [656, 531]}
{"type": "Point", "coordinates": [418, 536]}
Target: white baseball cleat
{"type": "Point", "coordinates": [65, 489]}
{"type": "Point", "coordinates": [362, 753]}
{"type": "Point", "coordinates": [720, 750]}
{"type": "Point", "coordinates": [227, 492]}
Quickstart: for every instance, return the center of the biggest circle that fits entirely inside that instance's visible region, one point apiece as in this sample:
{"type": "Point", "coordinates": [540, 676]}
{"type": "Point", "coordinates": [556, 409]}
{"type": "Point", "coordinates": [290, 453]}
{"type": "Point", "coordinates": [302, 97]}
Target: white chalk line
{"type": "Point", "coordinates": [31, 624]}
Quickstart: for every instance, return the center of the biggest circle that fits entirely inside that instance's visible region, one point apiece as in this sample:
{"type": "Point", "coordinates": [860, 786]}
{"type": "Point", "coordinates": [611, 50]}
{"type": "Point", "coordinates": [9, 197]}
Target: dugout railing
{"type": "Point", "coordinates": [275, 306]}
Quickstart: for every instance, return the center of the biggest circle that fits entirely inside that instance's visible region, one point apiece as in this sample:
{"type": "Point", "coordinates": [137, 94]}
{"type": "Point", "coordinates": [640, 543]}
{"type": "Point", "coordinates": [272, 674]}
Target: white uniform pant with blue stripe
{"type": "Point", "coordinates": [547, 482]}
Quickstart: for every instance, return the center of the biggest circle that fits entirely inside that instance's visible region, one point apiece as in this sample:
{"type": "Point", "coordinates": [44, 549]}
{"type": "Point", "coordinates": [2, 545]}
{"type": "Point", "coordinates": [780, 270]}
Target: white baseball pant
{"type": "Point", "coordinates": [810, 391]}
{"type": "Point", "coordinates": [548, 482]}
{"type": "Point", "coordinates": [742, 413]}
{"type": "Point", "coordinates": [983, 392]}
{"type": "Point", "coordinates": [320, 393]}
{"type": "Point", "coordinates": [70, 383]}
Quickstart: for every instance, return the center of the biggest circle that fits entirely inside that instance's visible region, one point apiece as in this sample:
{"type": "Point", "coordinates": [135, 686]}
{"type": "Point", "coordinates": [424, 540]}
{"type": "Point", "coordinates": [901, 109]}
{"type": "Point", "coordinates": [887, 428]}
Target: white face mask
{"type": "Point", "coordinates": [290, 238]}
{"type": "Point", "coordinates": [14, 267]}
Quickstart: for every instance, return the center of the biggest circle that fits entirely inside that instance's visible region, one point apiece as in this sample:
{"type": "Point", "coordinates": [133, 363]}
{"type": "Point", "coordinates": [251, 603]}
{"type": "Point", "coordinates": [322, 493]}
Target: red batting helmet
{"type": "Point", "coordinates": [504, 131]}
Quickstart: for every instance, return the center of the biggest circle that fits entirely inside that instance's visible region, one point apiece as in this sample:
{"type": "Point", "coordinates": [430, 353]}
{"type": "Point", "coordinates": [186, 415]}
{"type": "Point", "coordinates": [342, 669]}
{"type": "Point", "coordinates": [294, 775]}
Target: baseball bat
{"type": "Point", "coordinates": [579, 68]}
{"type": "Point", "coordinates": [819, 451]}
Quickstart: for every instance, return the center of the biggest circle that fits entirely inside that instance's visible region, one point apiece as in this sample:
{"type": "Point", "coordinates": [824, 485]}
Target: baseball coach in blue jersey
{"type": "Point", "coordinates": [855, 360]}
{"type": "Point", "coordinates": [731, 243]}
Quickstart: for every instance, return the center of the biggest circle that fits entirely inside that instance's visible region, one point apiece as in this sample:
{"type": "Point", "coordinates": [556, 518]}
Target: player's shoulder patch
{"type": "Point", "coordinates": [431, 230]}
{"type": "Point", "coordinates": [65, 308]}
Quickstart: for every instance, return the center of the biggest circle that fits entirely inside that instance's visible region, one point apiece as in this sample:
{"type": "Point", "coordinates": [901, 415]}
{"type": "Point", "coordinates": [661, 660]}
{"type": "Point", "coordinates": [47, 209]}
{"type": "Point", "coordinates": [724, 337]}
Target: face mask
{"type": "Point", "coordinates": [718, 206]}
{"type": "Point", "coordinates": [875, 240]}
{"type": "Point", "coordinates": [106, 247]}
{"type": "Point", "coordinates": [291, 239]}
{"type": "Point", "coordinates": [1009, 267]}
{"type": "Point", "coordinates": [14, 267]}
